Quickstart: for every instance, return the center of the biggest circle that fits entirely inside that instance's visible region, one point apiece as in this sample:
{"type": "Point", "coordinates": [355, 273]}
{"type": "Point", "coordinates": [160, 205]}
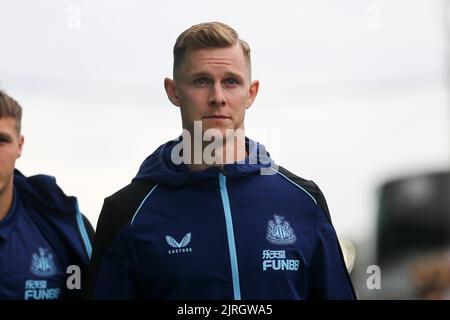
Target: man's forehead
{"type": "Point", "coordinates": [7, 121]}
{"type": "Point", "coordinates": [232, 57]}
{"type": "Point", "coordinates": [7, 124]}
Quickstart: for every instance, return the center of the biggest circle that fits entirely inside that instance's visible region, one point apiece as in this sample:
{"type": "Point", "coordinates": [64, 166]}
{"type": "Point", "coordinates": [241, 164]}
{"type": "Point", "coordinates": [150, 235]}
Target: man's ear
{"type": "Point", "coordinates": [21, 141]}
{"type": "Point", "coordinates": [171, 91]}
{"type": "Point", "coordinates": [252, 92]}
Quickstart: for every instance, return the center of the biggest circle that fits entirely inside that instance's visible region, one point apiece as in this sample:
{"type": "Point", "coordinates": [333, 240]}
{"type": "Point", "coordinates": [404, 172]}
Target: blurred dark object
{"type": "Point", "coordinates": [414, 217]}
{"type": "Point", "coordinates": [413, 237]}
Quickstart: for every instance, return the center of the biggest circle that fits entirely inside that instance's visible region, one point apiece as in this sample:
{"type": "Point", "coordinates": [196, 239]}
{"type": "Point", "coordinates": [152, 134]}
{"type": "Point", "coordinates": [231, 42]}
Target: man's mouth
{"type": "Point", "coordinates": [216, 117]}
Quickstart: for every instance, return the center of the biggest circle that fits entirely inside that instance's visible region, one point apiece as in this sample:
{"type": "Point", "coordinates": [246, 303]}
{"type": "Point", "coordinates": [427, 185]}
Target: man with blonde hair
{"type": "Point", "coordinates": [210, 215]}
{"type": "Point", "coordinates": [42, 231]}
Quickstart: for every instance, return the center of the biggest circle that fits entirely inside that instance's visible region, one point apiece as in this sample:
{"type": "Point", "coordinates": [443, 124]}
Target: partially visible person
{"type": "Point", "coordinates": [431, 275]}
{"type": "Point", "coordinates": [42, 231]}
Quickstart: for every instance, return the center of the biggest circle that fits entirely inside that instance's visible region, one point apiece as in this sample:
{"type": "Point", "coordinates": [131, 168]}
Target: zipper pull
{"type": "Point", "coordinates": [222, 169]}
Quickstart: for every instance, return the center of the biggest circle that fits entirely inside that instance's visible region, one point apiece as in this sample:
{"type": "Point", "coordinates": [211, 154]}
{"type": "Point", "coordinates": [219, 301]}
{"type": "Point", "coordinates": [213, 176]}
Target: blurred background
{"type": "Point", "coordinates": [353, 95]}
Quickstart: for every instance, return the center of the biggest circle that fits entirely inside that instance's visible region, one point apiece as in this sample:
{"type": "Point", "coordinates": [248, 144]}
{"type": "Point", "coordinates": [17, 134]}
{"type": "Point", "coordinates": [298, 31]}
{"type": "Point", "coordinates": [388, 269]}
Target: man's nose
{"type": "Point", "coordinates": [217, 97]}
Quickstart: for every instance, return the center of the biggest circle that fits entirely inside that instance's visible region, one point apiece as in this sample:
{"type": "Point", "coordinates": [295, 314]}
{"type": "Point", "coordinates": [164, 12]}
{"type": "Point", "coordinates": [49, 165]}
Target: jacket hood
{"type": "Point", "coordinates": [41, 191]}
{"type": "Point", "coordinates": [56, 213]}
{"type": "Point", "coordinates": [159, 167]}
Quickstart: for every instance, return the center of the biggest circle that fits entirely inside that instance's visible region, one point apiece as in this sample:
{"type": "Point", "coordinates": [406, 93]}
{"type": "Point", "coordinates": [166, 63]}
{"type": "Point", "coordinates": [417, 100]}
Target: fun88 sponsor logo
{"type": "Point", "coordinates": [276, 260]}
{"type": "Point", "coordinates": [38, 290]}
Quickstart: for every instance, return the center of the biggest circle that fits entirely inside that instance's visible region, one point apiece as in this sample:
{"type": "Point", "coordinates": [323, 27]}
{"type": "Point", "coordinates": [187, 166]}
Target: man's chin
{"type": "Point", "coordinates": [223, 133]}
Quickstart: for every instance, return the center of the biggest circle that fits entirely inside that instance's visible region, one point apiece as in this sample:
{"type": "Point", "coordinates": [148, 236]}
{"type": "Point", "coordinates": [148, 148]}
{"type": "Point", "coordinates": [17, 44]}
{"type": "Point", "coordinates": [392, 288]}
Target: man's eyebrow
{"type": "Point", "coordinates": [196, 74]}
{"type": "Point", "coordinates": [5, 137]}
{"type": "Point", "coordinates": [234, 74]}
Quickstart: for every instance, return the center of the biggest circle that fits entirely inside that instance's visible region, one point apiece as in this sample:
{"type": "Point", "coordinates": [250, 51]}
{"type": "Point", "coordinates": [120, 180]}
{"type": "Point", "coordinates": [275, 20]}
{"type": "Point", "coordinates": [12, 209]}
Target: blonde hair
{"type": "Point", "coordinates": [10, 108]}
{"type": "Point", "coordinates": [207, 35]}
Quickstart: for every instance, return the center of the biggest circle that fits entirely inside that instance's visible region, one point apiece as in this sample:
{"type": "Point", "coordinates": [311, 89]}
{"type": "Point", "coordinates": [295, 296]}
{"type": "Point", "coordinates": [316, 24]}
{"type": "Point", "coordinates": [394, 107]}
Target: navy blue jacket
{"type": "Point", "coordinates": [222, 233]}
{"type": "Point", "coordinates": [41, 235]}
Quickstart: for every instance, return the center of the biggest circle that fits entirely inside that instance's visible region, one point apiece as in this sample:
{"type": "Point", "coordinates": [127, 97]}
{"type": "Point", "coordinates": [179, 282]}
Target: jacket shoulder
{"type": "Point", "coordinates": [310, 187]}
{"type": "Point", "coordinates": [118, 210]}
{"type": "Point", "coordinates": [129, 198]}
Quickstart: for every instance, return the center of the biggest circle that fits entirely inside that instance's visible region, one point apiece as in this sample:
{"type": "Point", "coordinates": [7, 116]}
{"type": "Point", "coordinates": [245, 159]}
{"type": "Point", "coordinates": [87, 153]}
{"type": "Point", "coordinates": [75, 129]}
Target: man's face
{"type": "Point", "coordinates": [213, 86]}
{"type": "Point", "coordinates": [11, 143]}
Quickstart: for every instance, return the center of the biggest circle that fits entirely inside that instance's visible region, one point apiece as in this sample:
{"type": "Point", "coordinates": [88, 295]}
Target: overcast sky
{"type": "Point", "coordinates": [129, 43]}
{"type": "Point", "coordinates": [352, 92]}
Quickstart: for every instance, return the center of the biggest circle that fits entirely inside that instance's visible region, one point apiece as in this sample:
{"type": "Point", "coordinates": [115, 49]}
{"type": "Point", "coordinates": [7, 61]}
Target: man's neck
{"type": "Point", "coordinates": [6, 196]}
{"type": "Point", "coordinates": [224, 154]}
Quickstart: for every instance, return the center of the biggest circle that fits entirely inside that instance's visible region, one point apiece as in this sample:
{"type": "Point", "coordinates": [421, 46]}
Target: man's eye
{"type": "Point", "coordinates": [231, 81]}
{"type": "Point", "coordinates": [201, 82]}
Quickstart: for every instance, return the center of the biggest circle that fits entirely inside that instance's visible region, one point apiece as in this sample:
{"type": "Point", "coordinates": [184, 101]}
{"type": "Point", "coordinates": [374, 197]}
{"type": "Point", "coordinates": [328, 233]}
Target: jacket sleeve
{"type": "Point", "coordinates": [115, 278]}
{"type": "Point", "coordinates": [112, 266]}
{"type": "Point", "coordinates": [76, 294]}
{"type": "Point", "coordinates": [112, 263]}
{"type": "Point", "coordinates": [328, 274]}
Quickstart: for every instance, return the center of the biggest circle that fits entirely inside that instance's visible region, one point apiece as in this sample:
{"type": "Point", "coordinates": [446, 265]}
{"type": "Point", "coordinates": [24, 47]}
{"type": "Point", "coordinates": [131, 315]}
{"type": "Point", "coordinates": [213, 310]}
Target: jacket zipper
{"type": "Point", "coordinates": [230, 233]}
